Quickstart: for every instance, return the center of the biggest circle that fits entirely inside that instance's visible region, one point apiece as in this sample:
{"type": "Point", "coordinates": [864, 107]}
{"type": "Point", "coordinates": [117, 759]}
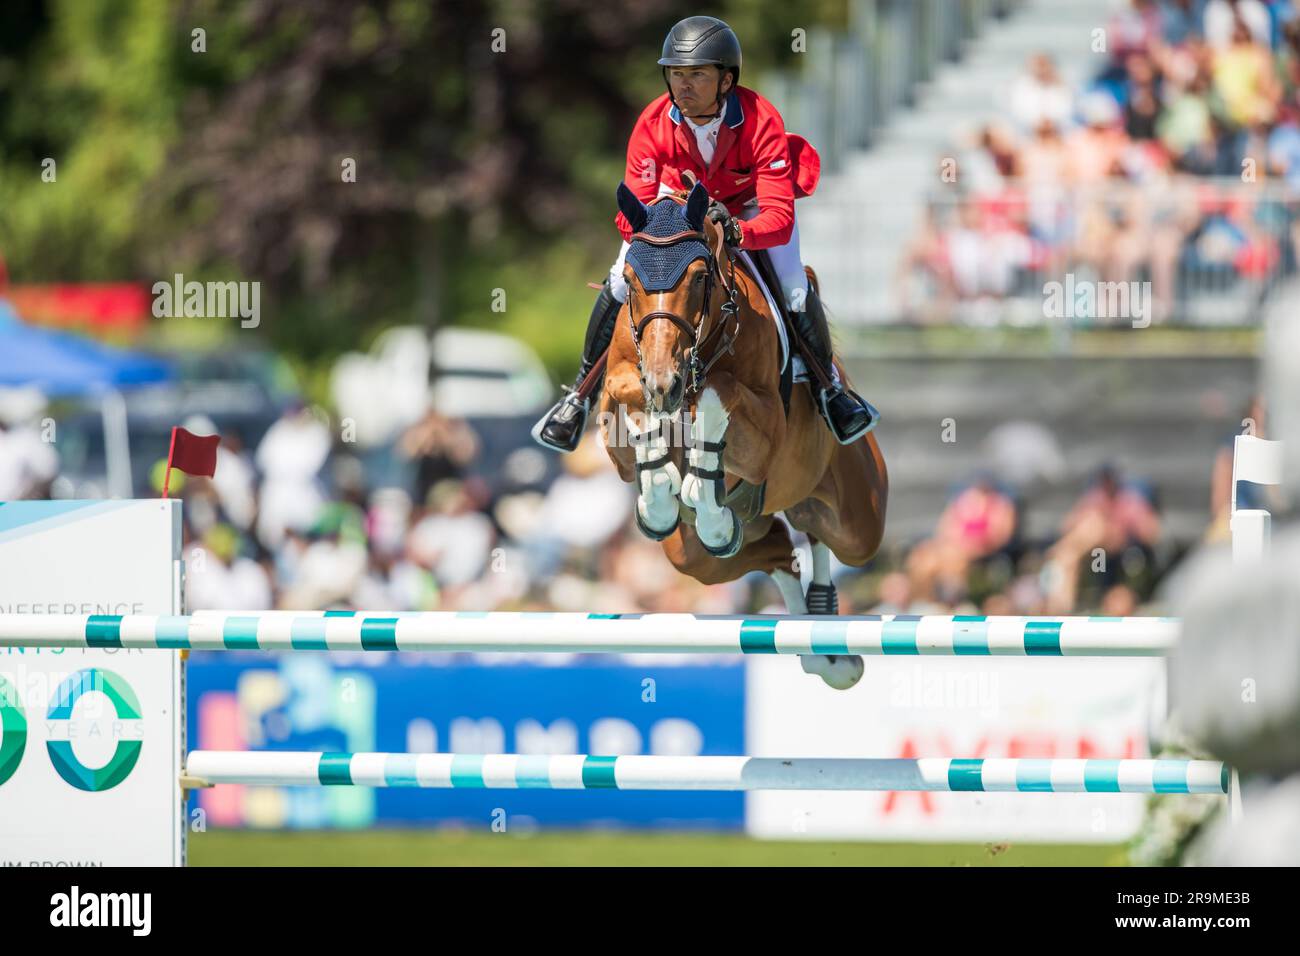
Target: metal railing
{"type": "Point", "coordinates": [1185, 250]}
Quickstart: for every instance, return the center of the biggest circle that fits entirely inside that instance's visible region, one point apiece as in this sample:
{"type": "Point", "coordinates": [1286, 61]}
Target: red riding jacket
{"type": "Point", "coordinates": [755, 156]}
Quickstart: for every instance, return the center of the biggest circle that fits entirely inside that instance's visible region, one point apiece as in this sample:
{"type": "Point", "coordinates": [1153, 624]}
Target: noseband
{"type": "Point", "coordinates": [696, 365]}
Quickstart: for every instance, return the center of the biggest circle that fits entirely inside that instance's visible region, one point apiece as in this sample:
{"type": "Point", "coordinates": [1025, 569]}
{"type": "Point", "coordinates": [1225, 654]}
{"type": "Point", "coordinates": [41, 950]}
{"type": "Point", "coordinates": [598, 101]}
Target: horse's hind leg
{"type": "Point", "coordinates": [846, 515]}
{"type": "Point", "coordinates": [840, 671]}
{"type": "Point", "coordinates": [846, 511]}
{"type": "Point", "coordinates": [821, 597]}
{"type": "Point", "coordinates": [767, 548]}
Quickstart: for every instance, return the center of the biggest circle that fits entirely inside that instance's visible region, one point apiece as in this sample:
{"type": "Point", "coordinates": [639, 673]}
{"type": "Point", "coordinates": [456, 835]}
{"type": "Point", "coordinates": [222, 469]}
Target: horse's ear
{"type": "Point", "coordinates": [633, 209]}
{"type": "Point", "coordinates": [697, 204]}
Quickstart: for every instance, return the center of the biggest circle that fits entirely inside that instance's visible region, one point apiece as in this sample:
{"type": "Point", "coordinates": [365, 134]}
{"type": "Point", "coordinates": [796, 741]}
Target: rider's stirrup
{"type": "Point", "coordinates": [562, 426]}
{"type": "Point", "coordinates": [847, 414]}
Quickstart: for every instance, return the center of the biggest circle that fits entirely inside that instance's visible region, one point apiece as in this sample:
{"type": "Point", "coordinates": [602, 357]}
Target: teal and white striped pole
{"type": "Point", "coordinates": [563, 632]}
{"type": "Point", "coordinates": [579, 772]}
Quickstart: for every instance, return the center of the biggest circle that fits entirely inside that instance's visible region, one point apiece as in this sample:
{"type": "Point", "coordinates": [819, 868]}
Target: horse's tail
{"type": "Point", "coordinates": [813, 280]}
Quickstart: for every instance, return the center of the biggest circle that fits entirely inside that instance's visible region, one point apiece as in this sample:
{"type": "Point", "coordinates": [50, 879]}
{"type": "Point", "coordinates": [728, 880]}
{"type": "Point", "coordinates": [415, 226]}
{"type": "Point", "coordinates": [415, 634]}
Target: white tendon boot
{"type": "Point", "coordinates": [840, 671]}
{"type": "Point", "coordinates": [717, 526]}
{"type": "Point", "coordinates": [658, 481]}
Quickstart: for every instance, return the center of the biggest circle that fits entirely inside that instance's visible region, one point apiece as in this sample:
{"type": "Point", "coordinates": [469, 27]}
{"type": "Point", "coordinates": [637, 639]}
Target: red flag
{"type": "Point", "coordinates": [192, 454]}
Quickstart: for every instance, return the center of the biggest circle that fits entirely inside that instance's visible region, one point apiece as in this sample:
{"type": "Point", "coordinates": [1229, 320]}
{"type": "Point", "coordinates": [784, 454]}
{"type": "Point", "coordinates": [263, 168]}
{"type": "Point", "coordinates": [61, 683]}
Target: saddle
{"type": "Point", "coordinates": [767, 275]}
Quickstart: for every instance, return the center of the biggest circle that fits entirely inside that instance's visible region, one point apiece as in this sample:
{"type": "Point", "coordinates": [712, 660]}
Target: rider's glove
{"type": "Point", "coordinates": [719, 214]}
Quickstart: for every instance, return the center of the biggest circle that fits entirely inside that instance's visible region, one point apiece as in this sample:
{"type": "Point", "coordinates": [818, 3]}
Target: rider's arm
{"type": "Point", "coordinates": [774, 187]}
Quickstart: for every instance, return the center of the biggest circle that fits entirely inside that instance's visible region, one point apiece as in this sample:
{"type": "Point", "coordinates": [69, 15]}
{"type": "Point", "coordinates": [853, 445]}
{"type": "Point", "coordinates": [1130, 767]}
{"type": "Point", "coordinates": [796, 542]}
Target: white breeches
{"type": "Point", "coordinates": [785, 259]}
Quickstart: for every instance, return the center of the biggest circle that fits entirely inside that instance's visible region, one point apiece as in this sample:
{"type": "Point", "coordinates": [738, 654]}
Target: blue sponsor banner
{"type": "Point", "coordinates": [464, 704]}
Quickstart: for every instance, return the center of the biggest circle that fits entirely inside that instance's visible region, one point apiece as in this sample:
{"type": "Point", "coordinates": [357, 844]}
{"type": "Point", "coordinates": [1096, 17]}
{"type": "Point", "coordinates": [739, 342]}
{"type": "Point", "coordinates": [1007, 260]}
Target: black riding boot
{"type": "Point", "coordinates": [846, 413]}
{"type": "Point", "coordinates": [561, 427]}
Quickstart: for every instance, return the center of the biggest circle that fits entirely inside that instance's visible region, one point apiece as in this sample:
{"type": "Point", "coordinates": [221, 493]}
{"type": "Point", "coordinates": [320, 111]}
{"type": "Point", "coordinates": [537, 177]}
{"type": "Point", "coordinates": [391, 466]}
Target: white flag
{"type": "Point", "coordinates": [1257, 460]}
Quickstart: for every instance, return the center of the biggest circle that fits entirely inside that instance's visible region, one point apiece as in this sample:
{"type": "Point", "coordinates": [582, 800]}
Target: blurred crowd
{"type": "Point", "coordinates": [1178, 164]}
{"type": "Point", "coordinates": [1108, 554]}
{"type": "Point", "coordinates": [293, 524]}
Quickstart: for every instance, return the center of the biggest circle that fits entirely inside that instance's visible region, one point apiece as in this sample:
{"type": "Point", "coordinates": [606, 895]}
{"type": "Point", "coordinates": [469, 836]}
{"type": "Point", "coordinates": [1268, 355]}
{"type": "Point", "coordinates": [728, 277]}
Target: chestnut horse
{"type": "Point", "coordinates": [697, 350]}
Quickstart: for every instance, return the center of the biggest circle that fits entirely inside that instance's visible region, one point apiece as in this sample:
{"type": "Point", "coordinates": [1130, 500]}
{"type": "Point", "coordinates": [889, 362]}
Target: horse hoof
{"type": "Point", "coordinates": [649, 532]}
{"type": "Point", "coordinates": [733, 545]}
{"type": "Point", "coordinates": [840, 671]}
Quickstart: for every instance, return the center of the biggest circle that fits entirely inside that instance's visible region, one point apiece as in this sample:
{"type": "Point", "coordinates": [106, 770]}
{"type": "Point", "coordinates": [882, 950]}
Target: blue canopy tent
{"type": "Point", "coordinates": [63, 365]}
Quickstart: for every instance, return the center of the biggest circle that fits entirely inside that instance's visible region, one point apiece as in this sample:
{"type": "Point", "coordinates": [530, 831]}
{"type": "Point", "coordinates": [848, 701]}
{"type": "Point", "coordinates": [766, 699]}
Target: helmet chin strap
{"type": "Point", "coordinates": [717, 98]}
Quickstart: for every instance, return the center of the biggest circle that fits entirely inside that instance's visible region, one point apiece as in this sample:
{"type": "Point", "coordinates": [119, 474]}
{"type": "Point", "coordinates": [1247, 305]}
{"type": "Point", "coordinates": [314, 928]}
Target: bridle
{"type": "Point", "coordinates": [697, 367]}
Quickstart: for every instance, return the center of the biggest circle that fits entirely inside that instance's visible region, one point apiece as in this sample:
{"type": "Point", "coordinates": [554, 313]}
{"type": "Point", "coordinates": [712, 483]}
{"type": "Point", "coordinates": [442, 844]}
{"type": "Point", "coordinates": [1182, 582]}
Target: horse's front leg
{"type": "Point", "coordinates": [640, 451]}
{"type": "Point", "coordinates": [729, 422]}
{"type": "Point", "coordinates": [657, 479]}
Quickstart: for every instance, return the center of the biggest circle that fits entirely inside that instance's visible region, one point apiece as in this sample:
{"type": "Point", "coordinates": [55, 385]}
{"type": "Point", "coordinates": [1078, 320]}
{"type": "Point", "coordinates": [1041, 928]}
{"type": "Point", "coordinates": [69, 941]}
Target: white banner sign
{"type": "Point", "coordinates": [91, 752]}
{"type": "Point", "coordinates": [953, 707]}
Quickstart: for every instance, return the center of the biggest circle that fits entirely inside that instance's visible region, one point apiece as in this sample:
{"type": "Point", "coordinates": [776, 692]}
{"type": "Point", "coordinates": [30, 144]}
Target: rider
{"type": "Point", "coordinates": [740, 152]}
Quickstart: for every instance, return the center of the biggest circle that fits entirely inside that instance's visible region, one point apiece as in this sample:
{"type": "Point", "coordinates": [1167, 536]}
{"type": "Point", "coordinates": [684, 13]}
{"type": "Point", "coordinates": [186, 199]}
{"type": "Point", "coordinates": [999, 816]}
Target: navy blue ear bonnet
{"type": "Point", "coordinates": [661, 267]}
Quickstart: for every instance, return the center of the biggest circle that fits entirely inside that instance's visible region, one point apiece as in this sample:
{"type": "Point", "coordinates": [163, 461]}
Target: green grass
{"type": "Point", "coordinates": [459, 848]}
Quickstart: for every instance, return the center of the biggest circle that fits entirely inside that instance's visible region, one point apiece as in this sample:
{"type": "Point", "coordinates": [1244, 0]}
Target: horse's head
{"type": "Point", "coordinates": [670, 268]}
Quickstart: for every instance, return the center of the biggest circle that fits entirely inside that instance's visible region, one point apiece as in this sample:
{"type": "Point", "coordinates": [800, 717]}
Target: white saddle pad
{"type": "Point", "coordinates": [800, 370]}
